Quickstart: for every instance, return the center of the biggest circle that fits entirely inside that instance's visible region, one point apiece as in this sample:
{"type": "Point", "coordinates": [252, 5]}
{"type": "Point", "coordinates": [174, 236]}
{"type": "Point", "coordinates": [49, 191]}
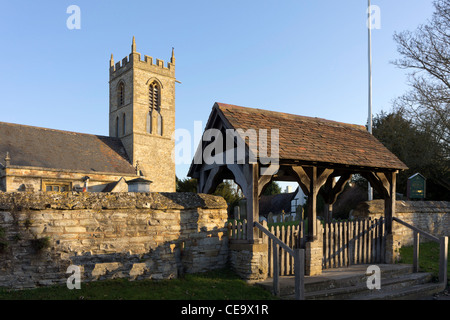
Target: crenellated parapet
{"type": "Point", "coordinates": [147, 63]}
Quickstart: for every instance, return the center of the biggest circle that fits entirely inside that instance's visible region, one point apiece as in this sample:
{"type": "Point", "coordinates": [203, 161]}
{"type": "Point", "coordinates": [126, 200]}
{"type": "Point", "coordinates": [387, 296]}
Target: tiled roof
{"type": "Point", "coordinates": [313, 139]}
{"type": "Point", "coordinates": [55, 149]}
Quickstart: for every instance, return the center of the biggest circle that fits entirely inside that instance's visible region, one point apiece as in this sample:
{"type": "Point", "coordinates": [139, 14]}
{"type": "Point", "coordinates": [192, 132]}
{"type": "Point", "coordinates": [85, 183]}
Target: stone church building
{"type": "Point", "coordinates": [141, 124]}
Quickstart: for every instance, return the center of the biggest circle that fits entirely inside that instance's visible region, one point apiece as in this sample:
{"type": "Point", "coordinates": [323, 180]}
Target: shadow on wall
{"type": "Point", "coordinates": [158, 236]}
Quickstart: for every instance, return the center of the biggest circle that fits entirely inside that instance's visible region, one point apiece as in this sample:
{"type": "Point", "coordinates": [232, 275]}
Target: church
{"type": "Point", "coordinates": [141, 125]}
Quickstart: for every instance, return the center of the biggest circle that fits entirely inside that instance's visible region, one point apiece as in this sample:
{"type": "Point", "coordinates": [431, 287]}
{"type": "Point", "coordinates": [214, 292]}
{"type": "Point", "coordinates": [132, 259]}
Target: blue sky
{"type": "Point", "coordinates": [296, 56]}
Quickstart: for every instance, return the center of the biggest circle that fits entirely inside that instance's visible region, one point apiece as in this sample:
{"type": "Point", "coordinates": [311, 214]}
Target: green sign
{"type": "Point", "coordinates": [416, 186]}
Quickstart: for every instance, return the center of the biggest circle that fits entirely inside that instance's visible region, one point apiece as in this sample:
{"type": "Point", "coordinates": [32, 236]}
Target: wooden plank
{"type": "Point", "coordinates": [269, 254]}
{"type": "Point", "coordinates": [325, 251]}
{"type": "Point", "coordinates": [383, 240]}
{"type": "Point", "coordinates": [299, 265]}
{"type": "Point", "coordinates": [416, 251]}
{"type": "Point", "coordinates": [345, 245]}
{"type": "Point", "coordinates": [369, 240]}
{"type": "Point", "coordinates": [366, 241]}
{"type": "Point", "coordinates": [333, 245]}
{"type": "Point", "coordinates": [338, 244]}
{"type": "Point", "coordinates": [351, 244]}
{"type": "Point", "coordinates": [282, 252]}
{"type": "Point", "coordinates": [378, 241]}
{"type": "Point", "coordinates": [276, 283]}
{"type": "Point", "coordinates": [443, 260]}
{"type": "Point", "coordinates": [360, 242]}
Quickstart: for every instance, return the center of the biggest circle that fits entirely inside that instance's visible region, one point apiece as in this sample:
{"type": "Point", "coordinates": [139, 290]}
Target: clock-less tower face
{"type": "Point", "coordinates": [142, 115]}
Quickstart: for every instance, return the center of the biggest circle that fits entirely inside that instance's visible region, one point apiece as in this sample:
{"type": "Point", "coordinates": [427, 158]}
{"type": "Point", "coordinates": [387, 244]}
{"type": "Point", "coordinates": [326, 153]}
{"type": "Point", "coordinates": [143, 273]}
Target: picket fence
{"type": "Point", "coordinates": [352, 242]}
{"type": "Point", "coordinates": [345, 243]}
{"type": "Point", "coordinates": [292, 235]}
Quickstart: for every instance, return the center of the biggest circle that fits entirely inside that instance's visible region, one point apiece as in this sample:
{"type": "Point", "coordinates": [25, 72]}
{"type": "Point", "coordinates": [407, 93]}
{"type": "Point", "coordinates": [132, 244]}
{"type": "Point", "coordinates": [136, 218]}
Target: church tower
{"type": "Point", "coordinates": [142, 115]}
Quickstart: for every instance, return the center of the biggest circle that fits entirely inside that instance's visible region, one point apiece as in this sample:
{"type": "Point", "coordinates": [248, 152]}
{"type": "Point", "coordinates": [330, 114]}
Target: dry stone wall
{"type": "Point", "coordinates": [430, 216]}
{"type": "Point", "coordinates": [109, 235]}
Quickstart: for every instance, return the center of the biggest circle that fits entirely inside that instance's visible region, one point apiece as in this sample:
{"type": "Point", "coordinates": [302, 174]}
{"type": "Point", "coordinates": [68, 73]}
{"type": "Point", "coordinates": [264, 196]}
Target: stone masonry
{"type": "Point", "coordinates": [430, 216]}
{"type": "Point", "coordinates": [150, 150]}
{"type": "Point", "coordinates": [109, 235]}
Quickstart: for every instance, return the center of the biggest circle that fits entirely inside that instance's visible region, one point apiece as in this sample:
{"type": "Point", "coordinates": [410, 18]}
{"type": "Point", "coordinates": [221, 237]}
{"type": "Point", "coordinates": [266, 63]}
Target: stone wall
{"type": "Point", "coordinates": [430, 216]}
{"type": "Point", "coordinates": [33, 179]}
{"type": "Point", "coordinates": [109, 235]}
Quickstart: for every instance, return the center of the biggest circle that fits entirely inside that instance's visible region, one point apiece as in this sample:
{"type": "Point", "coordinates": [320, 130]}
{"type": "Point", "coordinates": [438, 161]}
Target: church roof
{"type": "Point", "coordinates": [55, 149]}
{"type": "Point", "coordinates": [313, 140]}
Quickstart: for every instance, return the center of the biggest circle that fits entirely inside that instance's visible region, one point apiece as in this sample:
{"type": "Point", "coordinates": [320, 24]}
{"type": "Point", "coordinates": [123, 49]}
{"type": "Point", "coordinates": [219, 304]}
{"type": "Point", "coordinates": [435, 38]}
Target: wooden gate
{"type": "Point", "coordinates": [294, 237]}
{"type": "Point", "coordinates": [291, 235]}
{"type": "Point", "coordinates": [353, 242]}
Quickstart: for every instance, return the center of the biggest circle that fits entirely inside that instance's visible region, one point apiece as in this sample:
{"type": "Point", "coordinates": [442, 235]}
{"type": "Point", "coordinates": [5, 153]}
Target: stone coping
{"type": "Point", "coordinates": [108, 201]}
{"type": "Point", "coordinates": [401, 206]}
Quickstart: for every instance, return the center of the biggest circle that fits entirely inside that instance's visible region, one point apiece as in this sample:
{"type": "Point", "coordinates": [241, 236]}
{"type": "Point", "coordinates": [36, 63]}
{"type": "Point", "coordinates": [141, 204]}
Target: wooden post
{"type": "Point", "coordinates": [312, 206]}
{"type": "Point", "coordinates": [251, 175]}
{"type": "Point", "coordinates": [389, 202]}
{"type": "Point", "coordinates": [416, 252]}
{"type": "Point", "coordinates": [443, 260]}
{"type": "Point", "coordinates": [316, 181]}
{"type": "Point", "coordinates": [299, 265]}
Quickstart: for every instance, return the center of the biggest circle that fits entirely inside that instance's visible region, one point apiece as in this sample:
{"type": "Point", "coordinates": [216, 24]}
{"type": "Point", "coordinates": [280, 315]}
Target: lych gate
{"type": "Point", "coordinates": [254, 147]}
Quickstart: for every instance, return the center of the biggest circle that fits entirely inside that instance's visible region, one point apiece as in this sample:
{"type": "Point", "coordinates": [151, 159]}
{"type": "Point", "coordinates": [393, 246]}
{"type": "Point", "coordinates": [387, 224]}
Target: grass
{"type": "Point", "coordinates": [215, 285]}
{"type": "Point", "coordinates": [428, 258]}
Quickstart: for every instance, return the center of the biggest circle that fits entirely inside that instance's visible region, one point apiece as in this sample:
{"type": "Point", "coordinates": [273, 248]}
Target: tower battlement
{"type": "Point", "coordinates": [148, 63]}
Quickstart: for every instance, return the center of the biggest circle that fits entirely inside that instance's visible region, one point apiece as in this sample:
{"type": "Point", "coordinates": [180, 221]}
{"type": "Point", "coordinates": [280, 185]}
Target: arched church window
{"type": "Point", "coordinates": [121, 94]}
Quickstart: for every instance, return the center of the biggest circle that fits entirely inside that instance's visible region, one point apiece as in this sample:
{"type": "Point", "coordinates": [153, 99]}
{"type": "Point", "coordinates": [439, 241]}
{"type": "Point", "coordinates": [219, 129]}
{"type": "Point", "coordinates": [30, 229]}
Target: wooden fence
{"type": "Point", "coordinates": [345, 243]}
{"type": "Point", "coordinates": [353, 242]}
{"type": "Point", "coordinates": [292, 235]}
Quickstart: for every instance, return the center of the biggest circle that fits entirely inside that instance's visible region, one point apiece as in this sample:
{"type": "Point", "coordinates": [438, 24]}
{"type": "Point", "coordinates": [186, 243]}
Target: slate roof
{"type": "Point", "coordinates": [56, 149]}
{"type": "Point", "coordinates": [313, 139]}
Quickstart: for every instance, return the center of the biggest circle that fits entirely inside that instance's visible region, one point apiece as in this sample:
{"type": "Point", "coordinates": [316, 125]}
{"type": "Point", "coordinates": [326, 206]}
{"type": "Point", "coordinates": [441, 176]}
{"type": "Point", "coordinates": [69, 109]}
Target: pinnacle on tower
{"type": "Point", "coordinates": [172, 59]}
{"type": "Point", "coordinates": [111, 61]}
{"type": "Point", "coordinates": [133, 46]}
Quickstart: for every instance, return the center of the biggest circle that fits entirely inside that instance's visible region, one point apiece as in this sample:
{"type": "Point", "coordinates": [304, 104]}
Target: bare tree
{"type": "Point", "coordinates": [426, 54]}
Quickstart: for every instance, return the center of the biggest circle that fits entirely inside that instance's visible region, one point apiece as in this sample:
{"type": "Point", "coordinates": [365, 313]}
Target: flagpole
{"type": "Point", "coordinates": [369, 121]}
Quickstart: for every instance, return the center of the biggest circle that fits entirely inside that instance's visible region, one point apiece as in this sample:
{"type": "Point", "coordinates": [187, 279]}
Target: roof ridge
{"type": "Point", "coordinates": [56, 130]}
{"type": "Point", "coordinates": [291, 115]}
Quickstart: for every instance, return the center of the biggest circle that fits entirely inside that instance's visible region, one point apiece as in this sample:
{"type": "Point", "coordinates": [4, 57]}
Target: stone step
{"type": "Point", "coordinates": [351, 283]}
{"type": "Point", "coordinates": [361, 292]}
{"type": "Point", "coordinates": [335, 278]}
{"type": "Point", "coordinates": [414, 292]}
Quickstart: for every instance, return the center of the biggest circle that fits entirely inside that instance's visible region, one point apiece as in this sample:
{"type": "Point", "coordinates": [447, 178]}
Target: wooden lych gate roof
{"type": "Point", "coordinates": [321, 155]}
{"type": "Point", "coordinates": [313, 140]}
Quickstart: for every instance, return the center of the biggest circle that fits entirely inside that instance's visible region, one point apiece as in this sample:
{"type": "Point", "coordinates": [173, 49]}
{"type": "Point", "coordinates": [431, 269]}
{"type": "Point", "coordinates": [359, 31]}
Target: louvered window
{"type": "Point", "coordinates": [121, 94]}
{"type": "Point", "coordinates": [154, 95]}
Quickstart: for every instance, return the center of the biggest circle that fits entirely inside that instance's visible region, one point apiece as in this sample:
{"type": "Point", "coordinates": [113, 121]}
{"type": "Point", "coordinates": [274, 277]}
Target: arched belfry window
{"type": "Point", "coordinates": [121, 94]}
{"type": "Point", "coordinates": [154, 94]}
{"type": "Point", "coordinates": [154, 118]}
